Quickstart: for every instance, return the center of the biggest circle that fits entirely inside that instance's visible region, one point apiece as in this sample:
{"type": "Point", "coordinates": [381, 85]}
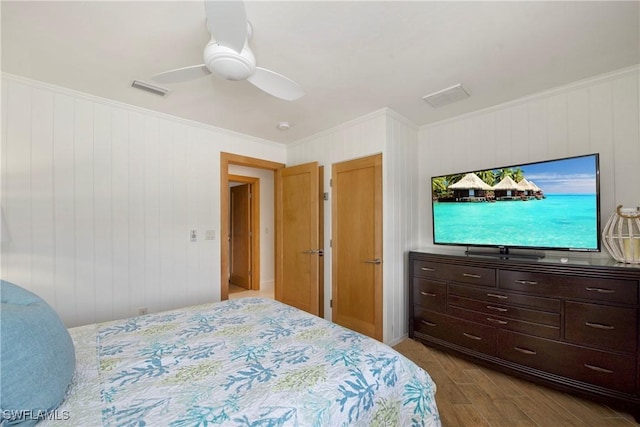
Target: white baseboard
{"type": "Point", "coordinates": [398, 340]}
{"type": "Point", "coordinates": [267, 285]}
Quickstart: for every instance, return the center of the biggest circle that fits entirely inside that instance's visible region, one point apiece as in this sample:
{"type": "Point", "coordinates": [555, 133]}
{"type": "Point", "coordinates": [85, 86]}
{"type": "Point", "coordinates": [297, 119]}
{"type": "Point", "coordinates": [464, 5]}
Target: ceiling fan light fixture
{"type": "Point", "coordinates": [228, 56]}
{"type": "Point", "coordinates": [446, 96]}
{"type": "Point", "coordinates": [228, 64]}
{"type": "Point", "coordinates": [157, 90]}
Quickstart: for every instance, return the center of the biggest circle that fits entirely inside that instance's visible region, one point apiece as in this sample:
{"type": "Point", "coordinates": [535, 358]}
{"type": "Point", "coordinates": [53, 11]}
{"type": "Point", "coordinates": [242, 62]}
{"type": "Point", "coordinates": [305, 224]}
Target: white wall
{"type": "Point", "coordinates": [390, 134]}
{"type": "Point", "coordinates": [267, 221]}
{"type": "Point", "coordinates": [598, 115]}
{"type": "Point", "coordinates": [400, 222]}
{"type": "Point", "coordinates": [99, 198]}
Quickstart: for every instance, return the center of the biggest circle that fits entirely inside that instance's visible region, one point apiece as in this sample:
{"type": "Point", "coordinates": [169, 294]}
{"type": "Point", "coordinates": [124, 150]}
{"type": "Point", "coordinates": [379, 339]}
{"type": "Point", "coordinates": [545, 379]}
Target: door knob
{"type": "Point", "coordinates": [373, 261]}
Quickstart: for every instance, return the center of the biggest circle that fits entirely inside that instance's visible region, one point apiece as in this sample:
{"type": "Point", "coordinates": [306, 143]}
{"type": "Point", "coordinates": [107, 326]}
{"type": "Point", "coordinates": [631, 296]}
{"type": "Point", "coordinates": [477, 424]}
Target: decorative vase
{"type": "Point", "coordinates": [621, 235]}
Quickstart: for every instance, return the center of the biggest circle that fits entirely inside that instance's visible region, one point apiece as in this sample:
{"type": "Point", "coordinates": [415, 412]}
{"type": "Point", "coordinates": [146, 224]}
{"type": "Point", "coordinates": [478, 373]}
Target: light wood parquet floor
{"type": "Point", "coordinates": [238, 292]}
{"type": "Point", "coordinates": [475, 396]}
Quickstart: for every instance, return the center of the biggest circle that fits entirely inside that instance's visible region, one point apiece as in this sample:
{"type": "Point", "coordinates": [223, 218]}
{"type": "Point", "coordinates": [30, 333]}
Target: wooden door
{"type": "Point", "coordinates": [357, 245]}
{"type": "Point", "coordinates": [298, 244]}
{"type": "Point", "coordinates": [240, 236]}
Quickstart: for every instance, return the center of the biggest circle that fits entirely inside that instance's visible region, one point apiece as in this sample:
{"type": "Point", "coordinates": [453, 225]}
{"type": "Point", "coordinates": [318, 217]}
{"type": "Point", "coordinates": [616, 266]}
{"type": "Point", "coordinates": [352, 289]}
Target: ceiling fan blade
{"type": "Point", "coordinates": [227, 23]}
{"type": "Point", "coordinates": [276, 84]}
{"type": "Point", "coordinates": [182, 74]}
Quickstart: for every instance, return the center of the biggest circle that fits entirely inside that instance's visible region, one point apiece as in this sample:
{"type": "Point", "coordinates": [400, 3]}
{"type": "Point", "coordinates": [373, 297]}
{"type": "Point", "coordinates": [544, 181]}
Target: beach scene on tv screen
{"type": "Point", "coordinates": [550, 204]}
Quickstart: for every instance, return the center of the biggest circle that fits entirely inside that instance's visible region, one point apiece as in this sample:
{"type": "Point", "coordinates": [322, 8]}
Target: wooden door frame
{"type": "Point", "coordinates": [227, 159]}
{"type": "Point", "coordinates": [254, 190]}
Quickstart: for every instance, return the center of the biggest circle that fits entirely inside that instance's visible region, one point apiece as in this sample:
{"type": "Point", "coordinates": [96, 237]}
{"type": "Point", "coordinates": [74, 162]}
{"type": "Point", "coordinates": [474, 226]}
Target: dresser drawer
{"type": "Point", "coordinates": [509, 298]}
{"type": "Point", "coordinates": [609, 370]}
{"type": "Point", "coordinates": [604, 326]}
{"type": "Point", "coordinates": [430, 294]}
{"type": "Point", "coordinates": [426, 269]}
{"type": "Point", "coordinates": [590, 288]}
{"type": "Point", "coordinates": [459, 273]}
{"type": "Point", "coordinates": [507, 311]}
{"type": "Point", "coordinates": [471, 335]}
{"type": "Point", "coordinates": [472, 275]}
{"type": "Point", "coordinates": [537, 329]}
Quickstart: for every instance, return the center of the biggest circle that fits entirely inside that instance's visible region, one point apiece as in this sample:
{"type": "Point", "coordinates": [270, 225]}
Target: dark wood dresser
{"type": "Point", "coordinates": [571, 325]}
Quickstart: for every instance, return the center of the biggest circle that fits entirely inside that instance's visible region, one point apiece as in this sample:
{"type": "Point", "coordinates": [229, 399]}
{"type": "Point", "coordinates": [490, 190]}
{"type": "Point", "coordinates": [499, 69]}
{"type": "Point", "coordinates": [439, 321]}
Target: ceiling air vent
{"type": "Point", "coordinates": [446, 96]}
{"type": "Point", "coordinates": [157, 90]}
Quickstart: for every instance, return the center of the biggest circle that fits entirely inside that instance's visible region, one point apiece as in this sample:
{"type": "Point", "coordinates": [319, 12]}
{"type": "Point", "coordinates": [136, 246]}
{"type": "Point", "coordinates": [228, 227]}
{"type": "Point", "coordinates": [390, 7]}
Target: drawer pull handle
{"type": "Point", "coordinates": [601, 290]}
{"type": "Point", "coordinates": [598, 369]}
{"type": "Point", "coordinates": [499, 322]}
{"type": "Point", "coordinates": [427, 269]}
{"type": "Point", "coordinates": [599, 325]}
{"type": "Point", "coordinates": [497, 296]}
{"type": "Point", "coordinates": [500, 309]}
{"type": "Point", "coordinates": [526, 282]}
{"type": "Point", "coordinates": [428, 294]}
{"type": "Point", "coordinates": [473, 337]}
{"type": "Point", "coordinates": [473, 276]}
{"type": "Point", "coordinates": [428, 323]}
{"type": "Point", "coordinates": [525, 351]}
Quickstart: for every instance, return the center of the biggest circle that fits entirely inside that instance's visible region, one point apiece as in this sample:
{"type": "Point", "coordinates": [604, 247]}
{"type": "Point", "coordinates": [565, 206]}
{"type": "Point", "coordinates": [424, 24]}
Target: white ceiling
{"type": "Point", "coordinates": [351, 58]}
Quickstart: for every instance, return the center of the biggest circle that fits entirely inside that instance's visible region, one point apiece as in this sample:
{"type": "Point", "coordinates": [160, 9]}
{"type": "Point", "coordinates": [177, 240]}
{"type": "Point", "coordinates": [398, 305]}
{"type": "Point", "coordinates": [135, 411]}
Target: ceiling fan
{"type": "Point", "coordinates": [229, 57]}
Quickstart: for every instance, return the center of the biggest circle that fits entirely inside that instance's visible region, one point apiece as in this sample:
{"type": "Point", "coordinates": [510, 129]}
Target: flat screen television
{"type": "Point", "coordinates": [547, 205]}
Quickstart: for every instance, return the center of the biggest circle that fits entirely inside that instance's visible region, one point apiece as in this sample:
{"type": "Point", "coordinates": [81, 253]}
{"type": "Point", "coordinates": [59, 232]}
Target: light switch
{"type": "Point", "coordinates": [193, 235]}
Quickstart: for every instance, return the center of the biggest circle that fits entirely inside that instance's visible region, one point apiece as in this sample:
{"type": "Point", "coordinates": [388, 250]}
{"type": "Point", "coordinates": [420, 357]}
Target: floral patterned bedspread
{"type": "Point", "coordinates": [243, 362]}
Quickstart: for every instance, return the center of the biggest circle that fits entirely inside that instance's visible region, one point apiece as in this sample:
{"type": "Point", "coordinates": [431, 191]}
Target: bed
{"type": "Point", "coordinates": [244, 362]}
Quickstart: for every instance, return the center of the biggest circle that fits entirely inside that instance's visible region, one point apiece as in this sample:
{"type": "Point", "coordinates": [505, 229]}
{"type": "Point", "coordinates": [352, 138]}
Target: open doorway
{"type": "Point", "coordinates": [244, 233]}
{"type": "Point", "coordinates": [226, 160]}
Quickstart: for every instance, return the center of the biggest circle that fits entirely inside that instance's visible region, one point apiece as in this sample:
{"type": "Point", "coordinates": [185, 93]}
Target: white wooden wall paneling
{"type": "Point", "coordinates": [120, 212]}
{"type": "Point", "coordinates": [600, 140]}
{"type": "Point", "coordinates": [472, 133]}
{"type": "Point", "coordinates": [578, 121]}
{"type": "Point", "coordinates": [4, 94]}
{"type": "Point", "coordinates": [18, 184]}
{"type": "Point", "coordinates": [557, 126]}
{"type": "Point", "coordinates": [189, 214]}
{"type": "Point", "coordinates": [520, 134]}
{"type": "Point", "coordinates": [180, 241]}
{"type": "Point", "coordinates": [136, 198]}
{"type": "Point", "coordinates": [538, 130]}
{"type": "Point", "coordinates": [151, 215]}
{"type": "Point", "coordinates": [84, 212]}
{"type": "Point", "coordinates": [167, 288]}
{"type": "Point", "coordinates": [103, 226]}
{"type": "Point", "coordinates": [599, 115]}
{"type": "Point", "coordinates": [399, 212]}
{"type": "Point", "coordinates": [64, 209]}
{"type": "Point", "coordinates": [207, 280]}
{"type": "Point", "coordinates": [626, 134]}
{"type": "Point", "coordinates": [503, 147]}
{"type": "Point", "coordinates": [42, 194]}
{"type": "Point", "coordinates": [99, 197]}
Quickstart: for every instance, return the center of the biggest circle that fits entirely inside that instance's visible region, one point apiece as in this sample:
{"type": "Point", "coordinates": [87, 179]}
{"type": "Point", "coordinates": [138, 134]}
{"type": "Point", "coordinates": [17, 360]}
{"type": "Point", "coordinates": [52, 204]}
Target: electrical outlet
{"type": "Point", "coordinates": [143, 310]}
